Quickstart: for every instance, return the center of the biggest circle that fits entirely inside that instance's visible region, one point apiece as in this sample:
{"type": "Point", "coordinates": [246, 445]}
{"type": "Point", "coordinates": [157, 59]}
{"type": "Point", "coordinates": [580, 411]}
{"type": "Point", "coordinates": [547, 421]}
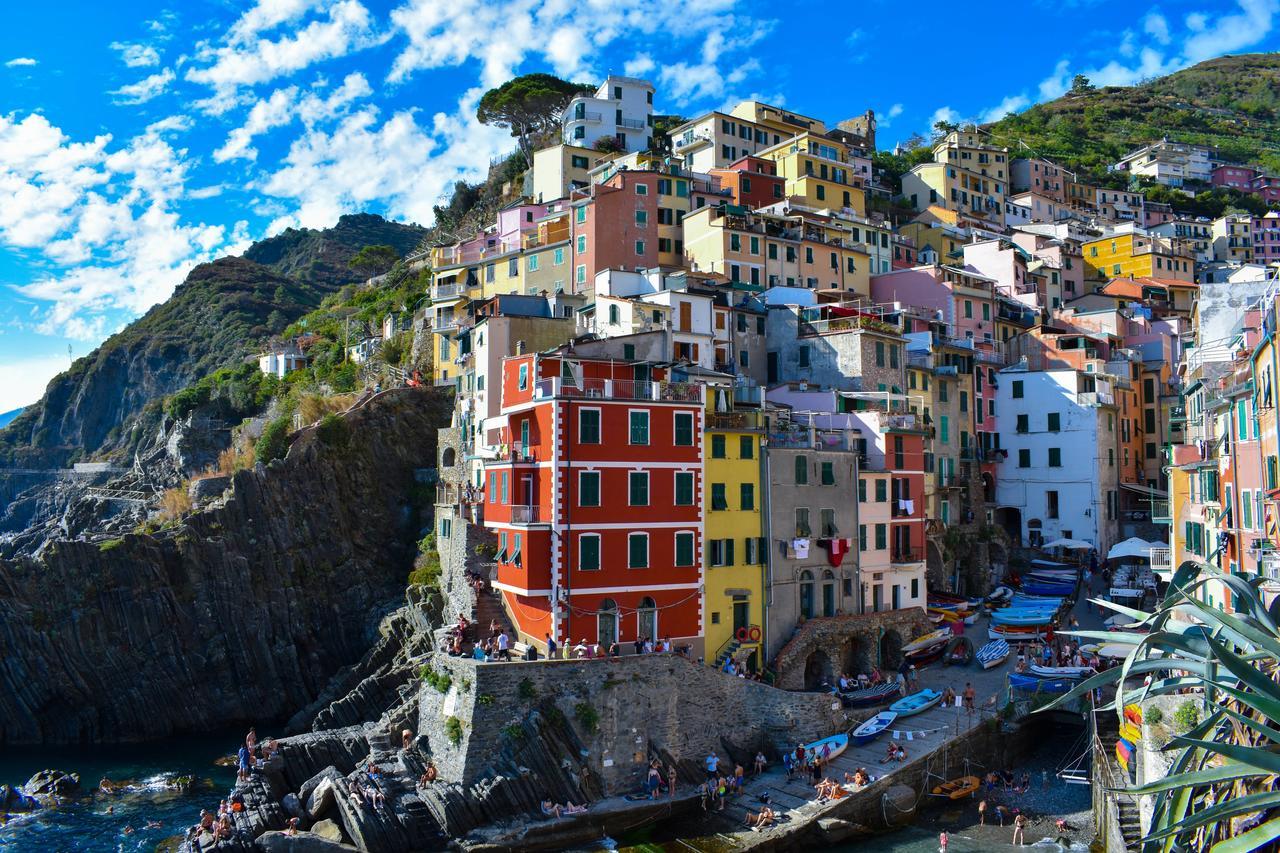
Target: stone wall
{"type": "Point", "coordinates": [848, 643]}
{"type": "Point", "coordinates": [644, 705]}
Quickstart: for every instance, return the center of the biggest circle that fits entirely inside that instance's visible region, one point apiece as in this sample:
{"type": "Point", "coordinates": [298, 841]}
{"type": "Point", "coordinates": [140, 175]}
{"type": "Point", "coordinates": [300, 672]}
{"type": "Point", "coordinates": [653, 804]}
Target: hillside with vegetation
{"type": "Point", "coordinates": [110, 399]}
{"type": "Point", "coordinates": [1231, 104]}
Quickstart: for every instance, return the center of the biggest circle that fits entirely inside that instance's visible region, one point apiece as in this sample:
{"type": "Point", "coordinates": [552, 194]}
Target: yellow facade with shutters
{"type": "Point", "coordinates": [817, 170]}
{"type": "Point", "coordinates": [733, 574]}
{"type": "Point", "coordinates": [1139, 256]}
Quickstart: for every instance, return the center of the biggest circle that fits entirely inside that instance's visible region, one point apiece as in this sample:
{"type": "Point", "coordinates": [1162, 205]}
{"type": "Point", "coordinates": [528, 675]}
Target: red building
{"type": "Point", "coordinates": [904, 459]}
{"type": "Point", "coordinates": [596, 500]}
{"type": "Point", "coordinates": [753, 182]}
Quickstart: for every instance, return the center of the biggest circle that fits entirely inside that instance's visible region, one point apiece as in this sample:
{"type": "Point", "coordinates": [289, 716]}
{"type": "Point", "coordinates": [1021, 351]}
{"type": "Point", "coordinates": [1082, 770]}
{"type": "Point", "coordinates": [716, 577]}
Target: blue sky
{"type": "Point", "coordinates": [139, 139]}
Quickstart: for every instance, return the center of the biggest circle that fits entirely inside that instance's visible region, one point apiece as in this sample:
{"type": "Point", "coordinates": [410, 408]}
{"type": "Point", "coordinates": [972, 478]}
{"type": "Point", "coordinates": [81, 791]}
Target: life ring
{"type": "Point", "coordinates": [742, 635]}
{"type": "Point", "coordinates": [754, 634]}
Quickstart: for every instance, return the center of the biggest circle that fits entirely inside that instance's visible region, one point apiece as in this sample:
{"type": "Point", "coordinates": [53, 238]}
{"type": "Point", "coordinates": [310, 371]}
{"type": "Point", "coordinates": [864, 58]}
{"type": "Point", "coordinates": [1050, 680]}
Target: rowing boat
{"type": "Point", "coordinates": [993, 653]}
{"type": "Point", "coordinates": [838, 743]}
{"type": "Point", "coordinates": [873, 728]}
{"type": "Point", "coordinates": [871, 695]}
{"type": "Point", "coordinates": [958, 651]}
{"type": "Point", "coordinates": [916, 702]}
{"type": "Point", "coordinates": [958, 788]}
{"type": "Point", "coordinates": [929, 640]}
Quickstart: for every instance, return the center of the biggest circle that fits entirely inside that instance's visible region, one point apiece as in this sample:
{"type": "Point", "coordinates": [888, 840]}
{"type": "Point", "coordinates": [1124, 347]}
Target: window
{"type": "Point", "coordinates": [638, 488]}
{"type": "Point", "coordinates": [639, 427]}
{"type": "Point", "coordinates": [1024, 458]}
{"type": "Point", "coordinates": [882, 537]}
{"type": "Point", "coordinates": [684, 488]}
{"type": "Point", "coordinates": [639, 247]}
{"type": "Point", "coordinates": [524, 377]}
{"type": "Point", "coordinates": [1051, 504]}
{"type": "Point", "coordinates": [802, 521]}
{"type": "Point", "coordinates": [862, 537]}
{"type": "Point", "coordinates": [589, 552]}
{"type": "Point", "coordinates": [582, 244]}
{"type": "Point", "coordinates": [802, 470]}
{"type": "Point", "coordinates": [638, 551]}
{"type": "Point", "coordinates": [721, 552]}
{"type": "Point", "coordinates": [862, 490]}
{"type": "Point", "coordinates": [558, 256]}
{"type": "Point", "coordinates": [684, 549]}
{"type": "Point", "coordinates": [879, 353]}
{"type": "Point", "coordinates": [804, 355]}
{"type": "Point", "coordinates": [747, 496]}
{"type": "Point", "coordinates": [827, 522]}
{"type": "Point", "coordinates": [717, 447]}
{"type": "Point", "coordinates": [754, 551]}
{"type": "Point", "coordinates": [588, 426]}
{"type": "Point", "coordinates": [642, 219]}
{"type": "Point", "coordinates": [746, 447]}
{"type": "Point", "coordinates": [588, 488]}
{"type": "Point", "coordinates": [684, 429]}
{"type": "Point", "coordinates": [580, 162]}
{"type": "Point", "coordinates": [1023, 423]}
{"type": "Point", "coordinates": [1055, 422]}
{"type": "Point", "coordinates": [882, 491]}
{"type": "Point", "coordinates": [580, 274]}
{"type": "Point", "coordinates": [718, 499]}
{"type": "Point", "coordinates": [828, 474]}
{"type": "Point", "coordinates": [893, 356]}
{"type": "Point", "coordinates": [1055, 457]}
{"type": "Point", "coordinates": [642, 189]}
{"type": "Point", "coordinates": [1016, 389]}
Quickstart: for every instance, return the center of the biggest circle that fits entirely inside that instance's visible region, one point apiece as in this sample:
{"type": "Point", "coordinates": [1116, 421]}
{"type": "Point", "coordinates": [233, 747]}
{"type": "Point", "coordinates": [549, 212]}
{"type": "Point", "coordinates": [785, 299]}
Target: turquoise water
{"type": "Point", "coordinates": [84, 823]}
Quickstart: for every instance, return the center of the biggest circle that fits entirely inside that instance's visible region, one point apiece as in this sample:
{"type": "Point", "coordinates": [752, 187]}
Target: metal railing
{"type": "Point", "coordinates": [1161, 560]}
{"type": "Point", "coordinates": [585, 115]}
{"type": "Point", "coordinates": [735, 420]}
{"type": "Point", "coordinates": [631, 124]}
{"type": "Point", "coordinates": [906, 555]}
{"type": "Point", "coordinates": [446, 291]}
{"type": "Point", "coordinates": [524, 514]}
{"type": "Point", "coordinates": [1160, 512]}
{"type": "Point", "coordinates": [619, 389]}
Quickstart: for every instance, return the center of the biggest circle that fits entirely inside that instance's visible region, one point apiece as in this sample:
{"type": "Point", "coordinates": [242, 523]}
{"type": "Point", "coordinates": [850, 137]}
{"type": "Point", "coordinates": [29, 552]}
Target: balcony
{"type": "Point", "coordinates": [444, 325]}
{"type": "Point", "coordinates": [586, 115]}
{"type": "Point", "coordinates": [1160, 513]}
{"type": "Point", "coordinates": [446, 291]}
{"type": "Point", "coordinates": [735, 420]}
{"type": "Point", "coordinates": [1095, 399]}
{"type": "Point", "coordinates": [631, 124]}
{"type": "Point", "coordinates": [619, 389]}
{"type": "Point", "coordinates": [1161, 560]}
{"type": "Point", "coordinates": [1269, 567]}
{"type": "Point", "coordinates": [524, 514]}
{"type": "Point", "coordinates": [906, 555]}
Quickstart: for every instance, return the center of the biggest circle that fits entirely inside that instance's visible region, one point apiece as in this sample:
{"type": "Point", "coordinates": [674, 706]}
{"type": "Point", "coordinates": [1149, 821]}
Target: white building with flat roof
{"type": "Point", "coordinates": [622, 108]}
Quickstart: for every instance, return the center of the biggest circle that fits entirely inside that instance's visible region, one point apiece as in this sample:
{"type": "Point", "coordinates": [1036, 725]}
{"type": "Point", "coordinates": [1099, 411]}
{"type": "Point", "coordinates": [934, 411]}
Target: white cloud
{"type": "Point", "coordinates": [171, 124]}
{"type": "Point", "coordinates": [145, 89]}
{"type": "Point", "coordinates": [639, 66]}
{"type": "Point", "coordinates": [1010, 104]}
{"type": "Point", "coordinates": [282, 107]}
{"type": "Point", "coordinates": [1231, 33]}
{"type": "Point", "coordinates": [103, 220]}
{"type": "Point", "coordinates": [1197, 21]}
{"type": "Point", "coordinates": [244, 61]}
{"type": "Point", "coordinates": [22, 381]}
{"type": "Point", "coordinates": [886, 118]}
{"type": "Point", "coordinates": [1156, 26]}
{"type": "Point", "coordinates": [946, 114]}
{"type": "Point", "coordinates": [20, 62]}
{"type": "Point", "coordinates": [399, 163]}
{"type": "Point", "coordinates": [267, 15]}
{"type": "Point", "coordinates": [1057, 83]}
{"type": "Point", "coordinates": [854, 37]}
{"type": "Point", "coordinates": [136, 55]}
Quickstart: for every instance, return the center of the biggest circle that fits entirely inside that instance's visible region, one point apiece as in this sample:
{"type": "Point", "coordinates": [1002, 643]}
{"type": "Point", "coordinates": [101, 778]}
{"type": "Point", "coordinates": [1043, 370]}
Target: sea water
{"type": "Point", "coordinates": [83, 822]}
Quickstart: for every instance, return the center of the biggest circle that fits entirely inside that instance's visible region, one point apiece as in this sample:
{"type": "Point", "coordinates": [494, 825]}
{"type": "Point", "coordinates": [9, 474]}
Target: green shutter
{"type": "Point", "coordinates": [718, 500]}
{"type": "Point", "coordinates": [802, 470]}
{"type": "Point", "coordinates": [589, 548]}
{"type": "Point", "coordinates": [881, 537]}
{"type": "Point", "coordinates": [638, 551]}
{"type": "Point", "coordinates": [684, 549]}
{"type": "Point", "coordinates": [639, 488]}
{"type": "Point", "coordinates": [684, 488]}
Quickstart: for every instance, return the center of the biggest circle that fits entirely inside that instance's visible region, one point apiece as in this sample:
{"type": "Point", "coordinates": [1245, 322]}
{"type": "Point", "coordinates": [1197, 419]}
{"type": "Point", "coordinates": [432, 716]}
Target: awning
{"type": "Point", "coordinates": [1069, 544]}
{"type": "Point", "coordinates": [1144, 490]}
{"type": "Point", "coordinates": [1133, 547]}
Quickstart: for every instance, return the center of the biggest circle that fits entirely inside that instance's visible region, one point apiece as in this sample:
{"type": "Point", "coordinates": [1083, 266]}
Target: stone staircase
{"type": "Point", "coordinates": [488, 608]}
{"type": "Point", "coordinates": [1126, 806]}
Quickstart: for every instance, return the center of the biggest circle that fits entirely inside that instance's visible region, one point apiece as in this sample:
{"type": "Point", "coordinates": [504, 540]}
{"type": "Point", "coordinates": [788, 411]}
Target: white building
{"type": "Point", "coordinates": [1169, 163]}
{"type": "Point", "coordinates": [1060, 477]}
{"type": "Point", "coordinates": [622, 108]}
{"type": "Point", "coordinates": [281, 360]}
{"type": "Point", "coordinates": [695, 319]}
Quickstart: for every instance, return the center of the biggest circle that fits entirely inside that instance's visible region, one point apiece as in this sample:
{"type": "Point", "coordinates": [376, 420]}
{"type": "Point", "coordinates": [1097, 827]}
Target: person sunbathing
{"type": "Point", "coordinates": [760, 820]}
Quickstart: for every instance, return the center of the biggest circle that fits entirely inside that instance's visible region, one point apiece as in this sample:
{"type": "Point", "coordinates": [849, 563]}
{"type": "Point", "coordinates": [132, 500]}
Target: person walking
{"type": "Point", "coordinates": [1019, 826]}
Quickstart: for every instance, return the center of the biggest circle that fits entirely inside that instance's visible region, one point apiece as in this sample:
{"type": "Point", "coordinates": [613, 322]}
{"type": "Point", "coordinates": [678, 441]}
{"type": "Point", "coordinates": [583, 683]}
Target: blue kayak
{"type": "Point", "coordinates": [916, 702]}
{"type": "Point", "coordinates": [1039, 685]}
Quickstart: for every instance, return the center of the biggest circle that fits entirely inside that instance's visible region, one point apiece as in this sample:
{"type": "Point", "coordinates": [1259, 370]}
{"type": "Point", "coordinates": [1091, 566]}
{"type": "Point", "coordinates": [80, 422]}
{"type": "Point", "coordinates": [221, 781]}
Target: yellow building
{"type": "Point", "coordinates": [734, 549]}
{"type": "Point", "coordinates": [1138, 254]}
{"type": "Point", "coordinates": [767, 250]}
{"type": "Point", "coordinates": [816, 169]}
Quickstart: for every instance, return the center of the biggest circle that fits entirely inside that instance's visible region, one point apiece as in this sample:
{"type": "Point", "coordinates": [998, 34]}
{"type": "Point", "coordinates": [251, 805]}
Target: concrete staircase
{"type": "Point", "coordinates": [488, 608]}
{"type": "Point", "coordinates": [1126, 806]}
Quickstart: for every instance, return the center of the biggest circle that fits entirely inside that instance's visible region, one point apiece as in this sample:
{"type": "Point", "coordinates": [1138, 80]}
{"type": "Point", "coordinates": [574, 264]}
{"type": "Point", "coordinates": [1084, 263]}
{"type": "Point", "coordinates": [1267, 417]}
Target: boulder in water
{"type": "Point", "coordinates": [48, 783]}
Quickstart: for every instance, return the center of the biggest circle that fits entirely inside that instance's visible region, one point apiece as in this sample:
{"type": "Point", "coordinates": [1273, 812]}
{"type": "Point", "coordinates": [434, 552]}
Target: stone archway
{"type": "Point", "coordinates": [817, 670]}
{"type": "Point", "coordinates": [855, 656]}
{"type": "Point", "coordinates": [890, 650]}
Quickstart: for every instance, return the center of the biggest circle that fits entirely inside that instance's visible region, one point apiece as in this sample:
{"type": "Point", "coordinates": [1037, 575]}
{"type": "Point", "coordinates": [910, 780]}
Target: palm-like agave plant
{"type": "Point", "coordinates": [1218, 794]}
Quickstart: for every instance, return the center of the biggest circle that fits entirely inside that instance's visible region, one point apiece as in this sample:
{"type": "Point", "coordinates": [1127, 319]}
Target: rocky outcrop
{"type": "Point", "coordinates": [50, 783]}
{"type": "Point", "coordinates": [242, 613]}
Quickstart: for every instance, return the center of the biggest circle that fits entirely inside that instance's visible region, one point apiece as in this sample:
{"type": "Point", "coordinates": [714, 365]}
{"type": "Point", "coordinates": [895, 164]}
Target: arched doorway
{"type": "Point", "coordinates": [647, 619]}
{"type": "Point", "coordinates": [607, 623]}
{"type": "Point", "coordinates": [890, 650]}
{"type": "Point", "coordinates": [988, 487]}
{"type": "Point", "coordinates": [855, 657]}
{"type": "Point", "coordinates": [1009, 519]}
{"type": "Point", "coordinates": [448, 458]}
{"type": "Point", "coordinates": [817, 670]}
{"type": "Point", "coordinates": [806, 594]}
{"type": "Point", "coordinates": [828, 593]}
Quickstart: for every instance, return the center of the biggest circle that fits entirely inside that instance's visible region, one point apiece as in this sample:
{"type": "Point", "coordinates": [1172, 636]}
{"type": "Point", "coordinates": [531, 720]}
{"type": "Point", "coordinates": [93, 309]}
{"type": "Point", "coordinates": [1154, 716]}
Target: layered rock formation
{"type": "Point", "coordinates": [241, 613]}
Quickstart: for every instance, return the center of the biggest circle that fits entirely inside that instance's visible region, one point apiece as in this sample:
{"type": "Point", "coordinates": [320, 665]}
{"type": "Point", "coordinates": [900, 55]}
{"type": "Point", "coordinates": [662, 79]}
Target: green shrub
{"type": "Point", "coordinates": [527, 690]}
{"type": "Point", "coordinates": [273, 444]}
{"type": "Point", "coordinates": [515, 731]}
{"type": "Point", "coordinates": [110, 544]}
{"type": "Point", "coordinates": [453, 728]}
{"type": "Point", "coordinates": [333, 431]}
{"type": "Point", "coordinates": [1153, 716]}
{"type": "Point", "coordinates": [441, 681]}
{"type": "Point", "coordinates": [587, 716]}
{"type": "Point", "coordinates": [485, 698]}
{"type": "Point", "coordinates": [1186, 717]}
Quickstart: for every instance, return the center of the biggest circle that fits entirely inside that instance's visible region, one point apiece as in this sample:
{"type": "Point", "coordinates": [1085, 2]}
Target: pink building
{"type": "Point", "coordinates": [1267, 186]}
{"type": "Point", "coordinates": [1061, 258]}
{"type": "Point", "coordinates": [1230, 175]}
{"type": "Point", "coordinates": [1266, 238]}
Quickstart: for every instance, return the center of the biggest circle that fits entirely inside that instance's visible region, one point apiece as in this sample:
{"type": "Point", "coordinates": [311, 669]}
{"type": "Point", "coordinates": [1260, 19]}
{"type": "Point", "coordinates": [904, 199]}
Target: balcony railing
{"type": "Point", "coordinates": [1161, 560]}
{"type": "Point", "coordinates": [619, 389]}
{"type": "Point", "coordinates": [1160, 512]}
{"type": "Point", "coordinates": [446, 291]}
{"type": "Point", "coordinates": [523, 514]}
{"type": "Point", "coordinates": [906, 555]}
{"type": "Point", "coordinates": [631, 124]}
{"type": "Point", "coordinates": [1095, 398]}
{"type": "Point", "coordinates": [1270, 568]}
{"type": "Point", "coordinates": [585, 115]}
{"type": "Point", "coordinates": [735, 420]}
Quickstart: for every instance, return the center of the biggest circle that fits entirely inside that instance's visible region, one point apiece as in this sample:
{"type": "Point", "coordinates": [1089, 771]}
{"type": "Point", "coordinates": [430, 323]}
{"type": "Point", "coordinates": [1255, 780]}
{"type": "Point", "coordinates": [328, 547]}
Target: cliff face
{"type": "Point", "coordinates": [241, 613]}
